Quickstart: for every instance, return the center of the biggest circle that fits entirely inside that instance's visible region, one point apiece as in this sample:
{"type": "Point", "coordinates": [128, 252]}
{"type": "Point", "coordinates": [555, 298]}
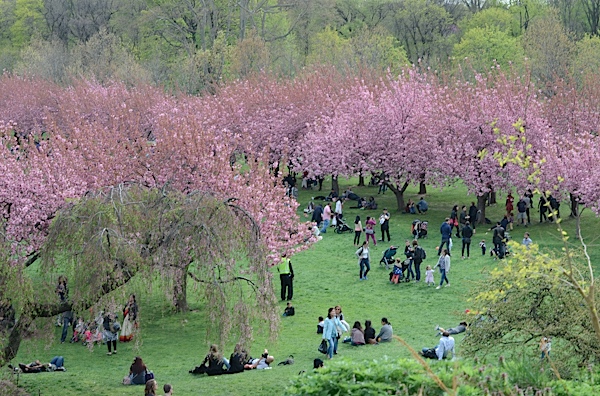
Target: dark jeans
{"type": "Point", "coordinates": [114, 345]}
{"type": "Point", "coordinates": [446, 241]}
{"type": "Point", "coordinates": [410, 274]}
{"type": "Point", "coordinates": [385, 231]}
{"type": "Point", "coordinates": [468, 246]}
{"type": "Point", "coordinates": [499, 248]}
{"type": "Point", "coordinates": [357, 237]}
{"type": "Point", "coordinates": [66, 325]}
{"type": "Point", "coordinates": [528, 218]}
{"type": "Point", "coordinates": [364, 263]}
{"type": "Point", "coordinates": [286, 283]}
{"type": "Point", "coordinates": [418, 269]}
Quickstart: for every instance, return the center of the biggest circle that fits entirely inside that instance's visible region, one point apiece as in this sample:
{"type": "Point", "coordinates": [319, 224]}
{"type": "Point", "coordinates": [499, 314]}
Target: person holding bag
{"type": "Point", "coordinates": [330, 332]}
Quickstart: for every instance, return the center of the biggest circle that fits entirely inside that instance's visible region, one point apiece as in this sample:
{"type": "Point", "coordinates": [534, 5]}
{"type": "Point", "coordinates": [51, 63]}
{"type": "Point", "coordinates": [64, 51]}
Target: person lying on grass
{"type": "Point", "coordinates": [261, 364]}
{"type": "Point", "coordinates": [56, 364]}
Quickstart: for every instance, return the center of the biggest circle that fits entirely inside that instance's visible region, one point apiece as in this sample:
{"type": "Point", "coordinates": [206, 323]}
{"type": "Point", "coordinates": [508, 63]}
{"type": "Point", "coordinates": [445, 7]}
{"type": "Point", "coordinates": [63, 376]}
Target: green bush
{"type": "Point", "coordinates": [408, 377]}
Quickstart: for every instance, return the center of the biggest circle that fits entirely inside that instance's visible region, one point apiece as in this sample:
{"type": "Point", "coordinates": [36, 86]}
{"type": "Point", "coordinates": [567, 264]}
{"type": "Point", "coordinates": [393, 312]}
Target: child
{"type": "Point", "coordinates": [396, 272]}
{"type": "Point", "coordinates": [78, 333]}
{"type": "Point", "coordinates": [320, 325]}
{"type": "Point", "coordinates": [482, 246]}
{"type": "Point", "coordinates": [511, 220]}
{"type": "Point", "coordinates": [527, 240]}
{"type": "Point", "coordinates": [289, 310]}
{"type": "Point", "coordinates": [429, 276]}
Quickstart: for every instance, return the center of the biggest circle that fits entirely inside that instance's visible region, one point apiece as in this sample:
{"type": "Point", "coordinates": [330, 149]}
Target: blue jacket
{"type": "Point", "coordinates": [329, 329]}
{"type": "Point", "coordinates": [446, 230]}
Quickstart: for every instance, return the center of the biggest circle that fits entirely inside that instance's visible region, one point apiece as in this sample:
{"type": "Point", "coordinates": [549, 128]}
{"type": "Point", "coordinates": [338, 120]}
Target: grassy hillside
{"type": "Point", "coordinates": [326, 275]}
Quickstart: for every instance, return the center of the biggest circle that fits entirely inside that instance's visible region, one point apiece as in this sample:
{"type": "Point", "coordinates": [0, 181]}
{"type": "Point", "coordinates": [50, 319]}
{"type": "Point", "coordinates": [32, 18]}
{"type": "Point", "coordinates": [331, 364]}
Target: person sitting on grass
{"type": "Point", "coordinates": [386, 332]}
{"type": "Point", "coordinates": [369, 333]}
{"type": "Point", "coordinates": [289, 310]}
{"type": "Point", "coordinates": [358, 337]}
{"type": "Point", "coordinates": [137, 373]}
{"type": "Point", "coordinates": [441, 350]}
{"type": "Point", "coordinates": [320, 325]}
{"type": "Point", "coordinates": [212, 364]}
{"type": "Point", "coordinates": [261, 364]}
{"type": "Point", "coordinates": [237, 360]}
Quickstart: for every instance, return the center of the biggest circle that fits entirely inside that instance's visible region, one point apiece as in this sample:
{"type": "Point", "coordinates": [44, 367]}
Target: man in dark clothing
{"type": "Point", "coordinates": [384, 220]}
{"type": "Point", "coordinates": [498, 240]}
{"type": "Point", "coordinates": [473, 215]}
{"type": "Point", "coordinates": [446, 231]}
{"type": "Point", "coordinates": [67, 321]}
{"type": "Point", "coordinates": [522, 212]}
{"type": "Point", "coordinates": [286, 275]}
{"type": "Point", "coordinates": [467, 233]}
{"type": "Point", "coordinates": [543, 208]}
{"type": "Point", "coordinates": [317, 215]}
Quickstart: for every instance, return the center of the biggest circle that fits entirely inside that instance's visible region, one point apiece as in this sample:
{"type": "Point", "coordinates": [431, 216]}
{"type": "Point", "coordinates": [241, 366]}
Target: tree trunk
{"type": "Point", "coordinates": [574, 205]}
{"type": "Point", "coordinates": [481, 208]}
{"type": "Point", "coordinates": [14, 339]}
{"type": "Point", "coordinates": [492, 199]}
{"type": "Point", "coordinates": [361, 180]}
{"type": "Point", "coordinates": [399, 193]}
{"type": "Point", "coordinates": [180, 290]}
{"type": "Point", "coordinates": [422, 188]}
{"type": "Point", "coordinates": [335, 185]}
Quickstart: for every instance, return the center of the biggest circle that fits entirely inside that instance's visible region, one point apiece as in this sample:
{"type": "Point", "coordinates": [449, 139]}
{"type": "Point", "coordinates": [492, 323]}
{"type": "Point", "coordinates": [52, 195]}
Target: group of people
{"type": "Point", "coordinates": [215, 363]}
{"type": "Point", "coordinates": [334, 326]}
{"type": "Point", "coordinates": [104, 328]}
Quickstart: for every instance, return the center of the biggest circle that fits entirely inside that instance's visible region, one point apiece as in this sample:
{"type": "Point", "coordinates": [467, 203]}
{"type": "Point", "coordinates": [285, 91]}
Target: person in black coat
{"type": "Point", "coordinates": [473, 215]}
{"type": "Point", "coordinates": [467, 234]}
{"type": "Point", "coordinates": [317, 215]}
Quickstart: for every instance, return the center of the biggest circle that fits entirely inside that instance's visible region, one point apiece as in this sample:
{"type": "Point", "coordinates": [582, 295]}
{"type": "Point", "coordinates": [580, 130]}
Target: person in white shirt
{"type": "Point", "coordinates": [442, 350]}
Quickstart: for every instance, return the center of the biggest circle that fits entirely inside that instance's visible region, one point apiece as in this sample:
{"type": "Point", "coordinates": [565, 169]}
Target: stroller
{"type": "Point", "coordinates": [419, 229]}
{"type": "Point", "coordinates": [388, 257]}
{"type": "Point", "coordinates": [341, 226]}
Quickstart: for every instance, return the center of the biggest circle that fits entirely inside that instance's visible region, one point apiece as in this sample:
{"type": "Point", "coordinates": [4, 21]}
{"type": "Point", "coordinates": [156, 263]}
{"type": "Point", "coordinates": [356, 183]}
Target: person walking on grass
{"type": "Point", "coordinates": [357, 231]}
{"type": "Point", "coordinates": [286, 276]}
{"type": "Point", "coordinates": [444, 265]}
{"type": "Point", "coordinates": [330, 332]}
{"type": "Point", "coordinates": [364, 260]}
{"type": "Point", "coordinates": [467, 234]}
{"type": "Point", "coordinates": [370, 230]}
{"type": "Point", "coordinates": [446, 231]}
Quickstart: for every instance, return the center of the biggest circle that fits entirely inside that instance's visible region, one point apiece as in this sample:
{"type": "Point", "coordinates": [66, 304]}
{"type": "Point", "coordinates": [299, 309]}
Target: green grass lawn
{"type": "Point", "coordinates": [326, 275]}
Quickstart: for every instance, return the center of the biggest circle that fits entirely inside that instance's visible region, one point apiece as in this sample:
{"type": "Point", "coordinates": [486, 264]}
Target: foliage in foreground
{"type": "Point", "coordinates": [528, 296]}
{"type": "Point", "coordinates": [408, 377]}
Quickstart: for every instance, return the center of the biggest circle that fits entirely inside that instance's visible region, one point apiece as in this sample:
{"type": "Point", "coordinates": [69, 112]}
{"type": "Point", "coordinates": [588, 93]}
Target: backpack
{"type": "Point", "coordinates": [420, 253]}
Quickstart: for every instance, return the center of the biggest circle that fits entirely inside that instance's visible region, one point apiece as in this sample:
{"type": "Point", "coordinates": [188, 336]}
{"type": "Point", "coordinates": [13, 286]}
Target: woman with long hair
{"type": "Point", "coordinates": [357, 231]}
{"type": "Point", "coordinates": [369, 333]}
{"type": "Point", "coordinates": [151, 388]}
{"type": "Point", "coordinates": [213, 363]}
{"type": "Point", "coordinates": [137, 372]}
{"type": "Point", "coordinates": [358, 337]}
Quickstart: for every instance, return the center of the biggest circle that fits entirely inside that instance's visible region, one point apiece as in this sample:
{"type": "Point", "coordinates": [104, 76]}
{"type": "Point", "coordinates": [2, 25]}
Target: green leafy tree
{"type": "Point", "coordinates": [527, 296]}
{"type": "Point", "coordinates": [494, 17]}
{"type": "Point", "coordinates": [483, 48]}
{"type": "Point", "coordinates": [28, 21]}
